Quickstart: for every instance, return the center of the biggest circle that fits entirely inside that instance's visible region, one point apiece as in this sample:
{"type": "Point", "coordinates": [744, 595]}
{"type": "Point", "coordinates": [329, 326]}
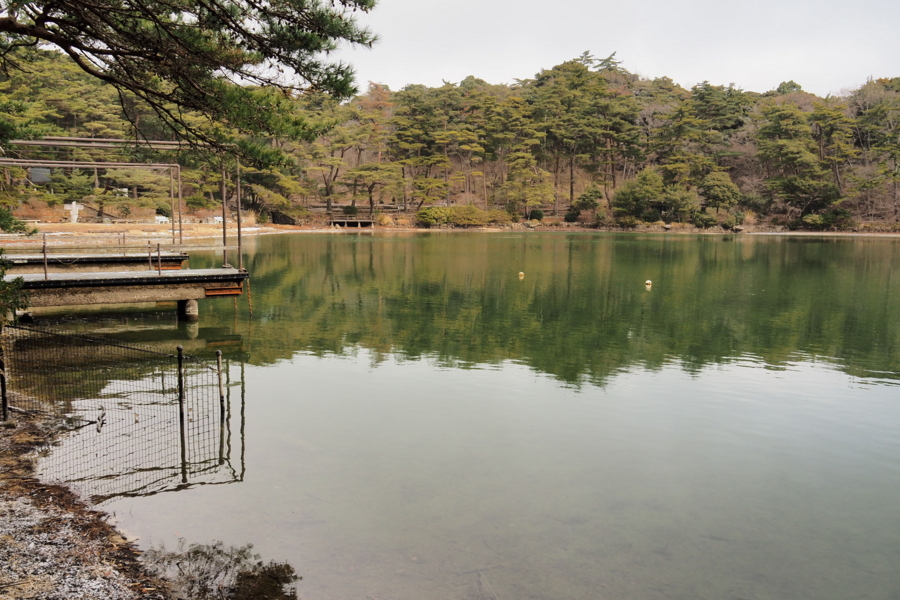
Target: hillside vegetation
{"type": "Point", "coordinates": [584, 141]}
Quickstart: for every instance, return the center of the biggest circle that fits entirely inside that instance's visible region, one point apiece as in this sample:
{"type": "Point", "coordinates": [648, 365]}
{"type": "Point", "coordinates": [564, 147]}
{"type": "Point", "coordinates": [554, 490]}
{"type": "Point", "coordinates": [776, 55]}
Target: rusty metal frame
{"type": "Point", "coordinates": [82, 142]}
{"type": "Point", "coordinates": [77, 164]}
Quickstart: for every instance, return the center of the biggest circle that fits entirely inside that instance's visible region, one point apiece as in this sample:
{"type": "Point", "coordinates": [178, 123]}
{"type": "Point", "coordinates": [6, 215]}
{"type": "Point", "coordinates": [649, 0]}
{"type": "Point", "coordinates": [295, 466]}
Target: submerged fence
{"type": "Point", "coordinates": [138, 421]}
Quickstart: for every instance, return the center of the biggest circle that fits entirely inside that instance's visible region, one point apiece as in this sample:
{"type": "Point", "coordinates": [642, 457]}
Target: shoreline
{"type": "Point", "coordinates": [55, 546]}
{"type": "Point", "coordinates": [141, 235]}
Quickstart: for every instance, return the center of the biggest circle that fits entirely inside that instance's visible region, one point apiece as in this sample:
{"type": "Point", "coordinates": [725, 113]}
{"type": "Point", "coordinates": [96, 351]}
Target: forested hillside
{"type": "Point", "coordinates": [584, 141]}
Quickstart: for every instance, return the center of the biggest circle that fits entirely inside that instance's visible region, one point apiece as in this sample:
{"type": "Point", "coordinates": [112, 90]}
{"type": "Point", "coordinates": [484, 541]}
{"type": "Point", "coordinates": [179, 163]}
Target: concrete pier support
{"type": "Point", "coordinates": [189, 310]}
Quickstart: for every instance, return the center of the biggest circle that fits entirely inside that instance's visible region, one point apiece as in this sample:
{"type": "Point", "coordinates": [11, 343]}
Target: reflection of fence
{"type": "Point", "coordinates": [140, 421]}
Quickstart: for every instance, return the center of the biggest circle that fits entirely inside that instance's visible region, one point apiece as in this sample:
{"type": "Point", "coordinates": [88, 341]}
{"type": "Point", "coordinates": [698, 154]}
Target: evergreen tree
{"type": "Point", "coordinates": [787, 149]}
{"type": "Point", "coordinates": [229, 60]}
{"type": "Point", "coordinates": [719, 191]}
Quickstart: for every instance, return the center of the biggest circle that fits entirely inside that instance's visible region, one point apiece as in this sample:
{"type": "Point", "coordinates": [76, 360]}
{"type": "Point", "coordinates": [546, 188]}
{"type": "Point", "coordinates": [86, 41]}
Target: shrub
{"type": "Point", "coordinates": [841, 220]}
{"type": "Point", "coordinates": [467, 215]}
{"type": "Point", "coordinates": [513, 209]}
{"type": "Point", "coordinates": [500, 217]}
{"type": "Point", "coordinates": [350, 211]}
{"type": "Point", "coordinates": [651, 215]}
{"type": "Point", "coordinates": [433, 215]}
{"type": "Point", "coordinates": [589, 200]}
{"type": "Point", "coordinates": [814, 221]}
{"type": "Point", "coordinates": [572, 215]}
{"type": "Point", "coordinates": [637, 194]}
{"type": "Point", "coordinates": [627, 222]}
{"type": "Point", "coordinates": [836, 219]}
{"type": "Point", "coordinates": [536, 214]}
{"type": "Point", "coordinates": [704, 221]}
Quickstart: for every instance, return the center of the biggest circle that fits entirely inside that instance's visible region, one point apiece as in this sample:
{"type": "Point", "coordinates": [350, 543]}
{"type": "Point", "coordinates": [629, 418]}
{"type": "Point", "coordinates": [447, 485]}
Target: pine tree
{"type": "Point", "coordinates": [229, 60]}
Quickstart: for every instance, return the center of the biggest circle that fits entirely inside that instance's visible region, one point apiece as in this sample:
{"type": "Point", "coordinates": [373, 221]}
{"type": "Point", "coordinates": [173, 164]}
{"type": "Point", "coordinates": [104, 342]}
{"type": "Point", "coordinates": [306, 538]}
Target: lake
{"type": "Point", "coordinates": [411, 418]}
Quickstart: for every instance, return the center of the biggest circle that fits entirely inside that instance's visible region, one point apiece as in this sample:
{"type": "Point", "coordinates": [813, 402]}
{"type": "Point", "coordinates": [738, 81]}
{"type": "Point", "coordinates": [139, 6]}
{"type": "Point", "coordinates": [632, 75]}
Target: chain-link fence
{"type": "Point", "coordinates": [138, 421]}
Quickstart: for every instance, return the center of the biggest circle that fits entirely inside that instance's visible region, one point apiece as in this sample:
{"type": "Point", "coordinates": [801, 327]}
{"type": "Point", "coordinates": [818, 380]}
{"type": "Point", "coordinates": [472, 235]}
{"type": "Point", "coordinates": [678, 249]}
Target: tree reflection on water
{"type": "Point", "coordinates": [214, 571]}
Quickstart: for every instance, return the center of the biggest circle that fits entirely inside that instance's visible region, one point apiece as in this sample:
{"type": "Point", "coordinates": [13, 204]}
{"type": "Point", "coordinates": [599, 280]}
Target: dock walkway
{"type": "Point", "coordinates": [129, 261]}
{"type": "Point", "coordinates": [185, 286]}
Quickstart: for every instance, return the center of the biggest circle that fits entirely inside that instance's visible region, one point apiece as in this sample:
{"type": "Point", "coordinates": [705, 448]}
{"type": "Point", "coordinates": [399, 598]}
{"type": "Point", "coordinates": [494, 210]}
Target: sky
{"type": "Point", "coordinates": [824, 45]}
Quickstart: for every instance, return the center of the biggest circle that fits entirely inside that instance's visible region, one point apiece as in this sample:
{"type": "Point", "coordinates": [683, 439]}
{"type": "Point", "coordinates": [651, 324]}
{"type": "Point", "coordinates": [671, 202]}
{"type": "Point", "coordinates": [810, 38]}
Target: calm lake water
{"type": "Point", "coordinates": [410, 419]}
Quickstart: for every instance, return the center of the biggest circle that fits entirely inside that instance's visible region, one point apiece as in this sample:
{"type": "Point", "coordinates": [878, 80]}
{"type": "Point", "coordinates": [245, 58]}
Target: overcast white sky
{"type": "Point", "coordinates": [824, 45]}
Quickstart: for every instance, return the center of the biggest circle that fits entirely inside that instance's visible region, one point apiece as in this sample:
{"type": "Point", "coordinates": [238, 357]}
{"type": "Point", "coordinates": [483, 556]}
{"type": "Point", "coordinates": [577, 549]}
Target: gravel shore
{"type": "Point", "coordinates": [52, 546]}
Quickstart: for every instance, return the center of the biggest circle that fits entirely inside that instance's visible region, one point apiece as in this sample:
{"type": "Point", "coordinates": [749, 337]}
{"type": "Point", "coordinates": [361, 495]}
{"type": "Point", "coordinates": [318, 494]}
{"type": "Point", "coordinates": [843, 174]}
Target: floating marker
{"type": "Point", "coordinates": [521, 275]}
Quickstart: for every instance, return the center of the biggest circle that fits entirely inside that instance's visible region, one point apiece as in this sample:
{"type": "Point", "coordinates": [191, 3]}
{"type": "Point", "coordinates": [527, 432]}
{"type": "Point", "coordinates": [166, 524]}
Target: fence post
{"type": "Point", "coordinates": [159, 262]}
{"type": "Point", "coordinates": [45, 256]}
{"type": "Point", "coordinates": [5, 401]}
{"type": "Point", "coordinates": [237, 184]}
{"type": "Point", "coordinates": [181, 414]}
{"type": "Point", "coordinates": [221, 407]}
{"type": "Point", "coordinates": [224, 221]}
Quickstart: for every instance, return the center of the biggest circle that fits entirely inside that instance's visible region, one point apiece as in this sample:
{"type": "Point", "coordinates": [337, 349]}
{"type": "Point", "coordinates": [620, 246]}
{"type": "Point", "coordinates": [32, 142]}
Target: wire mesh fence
{"type": "Point", "coordinates": [138, 421]}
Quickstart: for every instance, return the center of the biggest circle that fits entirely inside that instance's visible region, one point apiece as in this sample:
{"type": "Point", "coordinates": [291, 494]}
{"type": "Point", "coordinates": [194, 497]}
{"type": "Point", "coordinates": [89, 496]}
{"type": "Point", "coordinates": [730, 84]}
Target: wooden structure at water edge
{"type": "Point", "coordinates": [74, 279]}
{"type": "Point", "coordinates": [345, 222]}
{"type": "Point", "coordinates": [128, 287]}
{"type": "Point", "coordinates": [20, 264]}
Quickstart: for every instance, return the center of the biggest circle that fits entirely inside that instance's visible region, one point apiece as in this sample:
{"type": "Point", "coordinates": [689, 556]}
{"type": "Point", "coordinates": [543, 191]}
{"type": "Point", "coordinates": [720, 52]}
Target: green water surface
{"type": "Point", "coordinates": [421, 421]}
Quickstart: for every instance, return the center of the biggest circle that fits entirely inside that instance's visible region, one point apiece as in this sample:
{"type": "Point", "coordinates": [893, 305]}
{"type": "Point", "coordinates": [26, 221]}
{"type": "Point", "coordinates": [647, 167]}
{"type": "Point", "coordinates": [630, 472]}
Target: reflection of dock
{"type": "Point", "coordinates": [148, 328]}
{"type": "Point", "coordinates": [196, 341]}
{"type": "Point", "coordinates": [205, 342]}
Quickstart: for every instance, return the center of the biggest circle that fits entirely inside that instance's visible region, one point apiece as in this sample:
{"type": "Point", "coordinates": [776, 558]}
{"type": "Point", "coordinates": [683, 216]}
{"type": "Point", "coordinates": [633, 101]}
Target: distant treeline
{"type": "Point", "coordinates": [585, 140]}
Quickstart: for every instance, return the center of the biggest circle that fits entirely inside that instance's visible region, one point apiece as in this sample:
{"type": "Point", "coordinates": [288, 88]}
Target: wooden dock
{"type": "Point", "coordinates": [83, 263]}
{"type": "Point", "coordinates": [185, 286]}
{"type": "Point", "coordinates": [346, 222]}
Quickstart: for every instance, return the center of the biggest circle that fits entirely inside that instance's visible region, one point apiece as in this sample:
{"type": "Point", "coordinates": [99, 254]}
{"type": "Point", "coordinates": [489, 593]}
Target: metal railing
{"type": "Point", "coordinates": [70, 255]}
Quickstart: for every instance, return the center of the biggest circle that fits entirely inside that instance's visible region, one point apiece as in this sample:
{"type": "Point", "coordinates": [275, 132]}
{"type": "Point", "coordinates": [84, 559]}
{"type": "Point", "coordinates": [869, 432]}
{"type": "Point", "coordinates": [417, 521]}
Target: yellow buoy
{"type": "Point", "coordinates": [521, 275]}
{"type": "Point", "coordinates": [648, 282]}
